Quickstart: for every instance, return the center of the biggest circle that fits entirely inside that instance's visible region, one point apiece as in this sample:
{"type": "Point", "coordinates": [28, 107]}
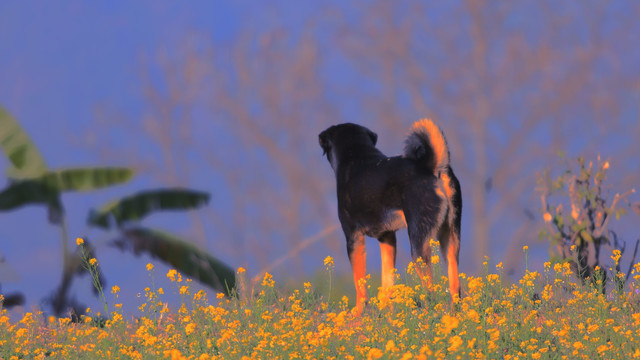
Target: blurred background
{"type": "Point", "coordinates": [229, 97]}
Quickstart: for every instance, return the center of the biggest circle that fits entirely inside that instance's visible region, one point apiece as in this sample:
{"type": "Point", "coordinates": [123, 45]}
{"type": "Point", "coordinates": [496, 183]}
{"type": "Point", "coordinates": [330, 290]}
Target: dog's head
{"type": "Point", "coordinates": [337, 137]}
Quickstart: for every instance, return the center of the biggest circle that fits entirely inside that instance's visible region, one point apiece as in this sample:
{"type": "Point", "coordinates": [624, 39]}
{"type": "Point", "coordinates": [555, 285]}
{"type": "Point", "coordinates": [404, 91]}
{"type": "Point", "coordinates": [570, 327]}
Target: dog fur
{"type": "Point", "coordinates": [378, 195]}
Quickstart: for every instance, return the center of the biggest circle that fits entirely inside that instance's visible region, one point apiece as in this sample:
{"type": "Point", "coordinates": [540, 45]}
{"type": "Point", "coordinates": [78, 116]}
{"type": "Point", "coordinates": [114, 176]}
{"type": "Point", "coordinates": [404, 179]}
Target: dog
{"type": "Point", "coordinates": [378, 195]}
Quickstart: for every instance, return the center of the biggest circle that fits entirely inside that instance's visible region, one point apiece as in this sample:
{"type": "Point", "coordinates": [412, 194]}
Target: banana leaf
{"type": "Point", "coordinates": [139, 205]}
{"type": "Point", "coordinates": [26, 192]}
{"type": "Point", "coordinates": [180, 254]}
{"type": "Point", "coordinates": [46, 189]}
{"type": "Point", "coordinates": [86, 179]}
{"type": "Point", "coordinates": [26, 160]}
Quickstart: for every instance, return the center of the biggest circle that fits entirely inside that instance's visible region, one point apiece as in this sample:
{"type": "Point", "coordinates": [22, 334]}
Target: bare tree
{"type": "Point", "coordinates": [499, 88]}
{"type": "Point", "coordinates": [278, 76]}
{"type": "Point", "coordinates": [509, 89]}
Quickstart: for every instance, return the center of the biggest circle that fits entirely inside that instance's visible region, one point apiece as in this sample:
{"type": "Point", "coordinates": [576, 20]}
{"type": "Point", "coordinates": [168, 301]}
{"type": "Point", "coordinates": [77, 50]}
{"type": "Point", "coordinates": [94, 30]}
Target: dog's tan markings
{"type": "Point", "coordinates": [452, 266]}
{"type": "Point", "coordinates": [446, 184]}
{"type": "Point", "coordinates": [388, 255]}
{"type": "Point", "coordinates": [358, 258]}
{"type": "Point", "coordinates": [438, 142]}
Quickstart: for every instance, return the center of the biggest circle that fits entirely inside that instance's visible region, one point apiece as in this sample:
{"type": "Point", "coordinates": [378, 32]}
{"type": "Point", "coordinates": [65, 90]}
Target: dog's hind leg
{"type": "Point", "coordinates": [358, 257]}
{"type": "Point", "coordinates": [450, 247]}
{"type": "Point", "coordinates": [454, 196]}
{"type": "Point", "coordinates": [453, 256]}
{"type": "Point", "coordinates": [421, 256]}
{"type": "Point", "coordinates": [388, 254]}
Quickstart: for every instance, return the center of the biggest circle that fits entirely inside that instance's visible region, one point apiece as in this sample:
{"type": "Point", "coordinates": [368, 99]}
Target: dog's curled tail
{"type": "Point", "coordinates": [426, 143]}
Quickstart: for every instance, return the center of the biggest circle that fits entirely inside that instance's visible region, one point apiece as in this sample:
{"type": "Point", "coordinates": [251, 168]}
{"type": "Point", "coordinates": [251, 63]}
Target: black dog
{"type": "Point", "coordinates": [378, 195]}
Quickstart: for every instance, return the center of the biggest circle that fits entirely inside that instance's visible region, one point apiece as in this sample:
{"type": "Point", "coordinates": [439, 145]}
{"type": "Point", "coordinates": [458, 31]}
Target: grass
{"type": "Point", "coordinates": [542, 316]}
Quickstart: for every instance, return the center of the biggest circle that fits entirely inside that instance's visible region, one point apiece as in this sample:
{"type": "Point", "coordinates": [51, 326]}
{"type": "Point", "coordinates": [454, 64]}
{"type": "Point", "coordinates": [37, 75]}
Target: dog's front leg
{"type": "Point", "coordinates": [358, 258]}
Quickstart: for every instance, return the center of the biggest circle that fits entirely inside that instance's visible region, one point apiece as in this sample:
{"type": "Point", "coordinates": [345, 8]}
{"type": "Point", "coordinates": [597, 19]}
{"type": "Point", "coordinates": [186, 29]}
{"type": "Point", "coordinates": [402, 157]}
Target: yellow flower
{"type": "Point", "coordinates": [525, 248]}
{"type": "Point", "coordinates": [241, 270]}
{"type": "Point", "coordinates": [473, 316]}
{"type": "Point", "coordinates": [93, 262]}
{"type": "Point", "coordinates": [449, 323]}
{"type": "Point", "coordinates": [79, 241]}
{"type": "Point", "coordinates": [406, 356]}
{"type": "Point", "coordinates": [454, 343]}
{"type": "Point", "coordinates": [149, 266]}
{"type": "Point", "coordinates": [616, 256]}
{"type": "Point", "coordinates": [172, 274]}
{"type": "Point", "coordinates": [220, 295]}
{"type": "Point", "coordinates": [391, 346]}
{"type": "Point", "coordinates": [328, 262]}
{"type": "Point", "coordinates": [374, 354]}
{"type": "Point", "coordinates": [546, 217]}
{"type": "Point", "coordinates": [115, 289]}
{"type": "Point", "coordinates": [435, 259]}
{"type": "Point", "coordinates": [190, 328]}
{"type": "Point", "coordinates": [268, 280]}
{"type": "Point", "coordinates": [411, 268]}
{"type": "Point", "coordinates": [602, 348]}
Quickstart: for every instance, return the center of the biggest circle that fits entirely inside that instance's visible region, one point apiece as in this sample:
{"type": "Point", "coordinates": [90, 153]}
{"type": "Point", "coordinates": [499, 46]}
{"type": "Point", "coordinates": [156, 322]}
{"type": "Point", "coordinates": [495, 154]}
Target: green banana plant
{"type": "Point", "coordinates": [32, 183]}
{"type": "Point", "coordinates": [26, 160]}
{"type": "Point", "coordinates": [141, 204]}
{"type": "Point", "coordinates": [126, 213]}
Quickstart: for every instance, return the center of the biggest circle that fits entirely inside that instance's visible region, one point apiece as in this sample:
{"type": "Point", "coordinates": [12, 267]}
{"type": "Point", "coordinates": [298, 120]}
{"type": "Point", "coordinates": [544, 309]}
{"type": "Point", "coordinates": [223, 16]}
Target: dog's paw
{"type": "Point", "coordinates": [357, 310]}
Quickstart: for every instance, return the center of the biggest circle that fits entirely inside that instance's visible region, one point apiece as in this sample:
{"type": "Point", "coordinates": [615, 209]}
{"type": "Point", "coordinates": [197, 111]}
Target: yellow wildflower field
{"type": "Point", "coordinates": [542, 316]}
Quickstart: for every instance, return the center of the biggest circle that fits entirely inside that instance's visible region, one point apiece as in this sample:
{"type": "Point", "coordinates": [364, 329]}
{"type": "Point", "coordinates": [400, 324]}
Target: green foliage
{"type": "Point", "coordinates": [46, 188]}
{"type": "Point", "coordinates": [170, 249]}
{"type": "Point", "coordinates": [185, 257]}
{"type": "Point", "coordinates": [32, 183]}
{"type": "Point", "coordinates": [86, 179]}
{"type": "Point", "coordinates": [28, 192]}
{"type": "Point", "coordinates": [24, 156]}
{"type": "Point", "coordinates": [139, 205]}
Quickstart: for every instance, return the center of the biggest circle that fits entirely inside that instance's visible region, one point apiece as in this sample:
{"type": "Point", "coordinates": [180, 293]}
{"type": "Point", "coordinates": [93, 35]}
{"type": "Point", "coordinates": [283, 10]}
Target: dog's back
{"type": "Point", "coordinates": [372, 192]}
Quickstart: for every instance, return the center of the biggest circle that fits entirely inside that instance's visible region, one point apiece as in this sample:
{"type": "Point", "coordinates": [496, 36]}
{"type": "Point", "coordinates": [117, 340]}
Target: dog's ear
{"type": "Point", "coordinates": [325, 144]}
{"type": "Point", "coordinates": [373, 136]}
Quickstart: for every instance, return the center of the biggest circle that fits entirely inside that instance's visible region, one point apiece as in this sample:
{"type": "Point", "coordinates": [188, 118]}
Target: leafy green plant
{"type": "Point", "coordinates": [125, 215]}
{"type": "Point", "coordinates": [31, 182]}
{"type": "Point", "coordinates": [577, 211]}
